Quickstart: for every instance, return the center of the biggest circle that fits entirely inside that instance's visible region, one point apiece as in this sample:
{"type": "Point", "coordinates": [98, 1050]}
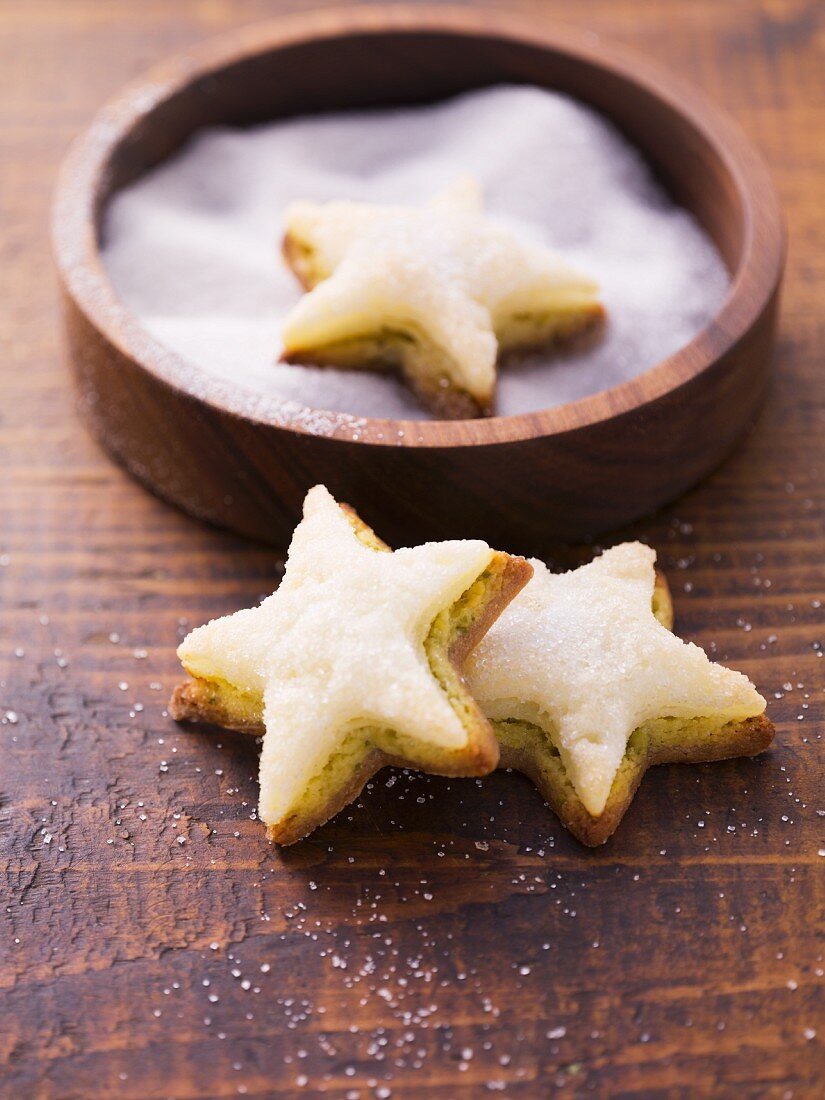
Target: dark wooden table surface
{"type": "Point", "coordinates": [441, 938]}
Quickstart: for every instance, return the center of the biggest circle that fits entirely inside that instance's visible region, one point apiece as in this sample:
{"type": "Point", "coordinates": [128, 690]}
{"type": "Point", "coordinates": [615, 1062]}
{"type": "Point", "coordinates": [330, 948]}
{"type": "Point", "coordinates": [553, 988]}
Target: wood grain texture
{"type": "Point", "coordinates": [443, 937]}
{"type": "Point", "coordinates": [594, 463]}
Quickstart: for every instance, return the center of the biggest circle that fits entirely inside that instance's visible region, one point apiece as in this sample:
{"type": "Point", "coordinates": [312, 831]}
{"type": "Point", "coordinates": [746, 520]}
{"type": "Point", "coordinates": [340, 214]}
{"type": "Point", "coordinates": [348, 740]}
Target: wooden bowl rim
{"type": "Point", "coordinates": [81, 268]}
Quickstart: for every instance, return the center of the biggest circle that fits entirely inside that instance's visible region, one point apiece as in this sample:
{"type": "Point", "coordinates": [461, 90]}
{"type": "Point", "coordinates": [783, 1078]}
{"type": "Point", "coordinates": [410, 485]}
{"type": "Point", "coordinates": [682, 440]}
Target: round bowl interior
{"type": "Point", "coordinates": [588, 465]}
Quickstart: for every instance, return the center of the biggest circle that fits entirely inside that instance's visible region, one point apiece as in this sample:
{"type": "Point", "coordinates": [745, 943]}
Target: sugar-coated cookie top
{"type": "Point", "coordinates": [443, 267]}
{"type": "Point", "coordinates": [582, 654]}
{"type": "Point", "coordinates": [338, 646]}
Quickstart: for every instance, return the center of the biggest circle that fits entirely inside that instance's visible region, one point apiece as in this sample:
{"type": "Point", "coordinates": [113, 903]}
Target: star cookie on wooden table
{"type": "Point", "coordinates": [586, 687]}
{"type": "Point", "coordinates": [434, 291]}
{"type": "Point", "coordinates": [352, 663]}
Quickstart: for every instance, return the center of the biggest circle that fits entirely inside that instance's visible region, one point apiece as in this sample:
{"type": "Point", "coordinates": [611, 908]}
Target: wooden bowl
{"type": "Point", "coordinates": [522, 482]}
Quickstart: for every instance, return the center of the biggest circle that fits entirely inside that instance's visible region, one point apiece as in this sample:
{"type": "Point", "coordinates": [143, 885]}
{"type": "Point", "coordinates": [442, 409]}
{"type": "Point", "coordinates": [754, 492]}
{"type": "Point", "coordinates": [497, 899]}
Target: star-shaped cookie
{"type": "Point", "coordinates": [356, 658]}
{"type": "Point", "coordinates": [434, 291]}
{"type": "Point", "coordinates": [586, 687]}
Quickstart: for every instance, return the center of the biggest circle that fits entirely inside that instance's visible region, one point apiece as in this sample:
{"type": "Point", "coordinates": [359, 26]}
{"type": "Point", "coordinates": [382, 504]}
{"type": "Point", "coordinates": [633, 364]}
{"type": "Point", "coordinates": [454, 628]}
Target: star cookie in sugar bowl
{"type": "Point", "coordinates": [435, 292]}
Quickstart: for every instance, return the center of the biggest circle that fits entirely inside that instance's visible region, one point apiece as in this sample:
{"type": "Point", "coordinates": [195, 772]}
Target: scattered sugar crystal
{"type": "Point", "coordinates": [192, 247]}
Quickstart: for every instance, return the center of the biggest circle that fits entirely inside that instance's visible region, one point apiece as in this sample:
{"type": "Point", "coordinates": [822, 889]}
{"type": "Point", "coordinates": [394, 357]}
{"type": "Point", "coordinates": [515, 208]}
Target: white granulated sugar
{"type": "Point", "coordinates": [193, 247]}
